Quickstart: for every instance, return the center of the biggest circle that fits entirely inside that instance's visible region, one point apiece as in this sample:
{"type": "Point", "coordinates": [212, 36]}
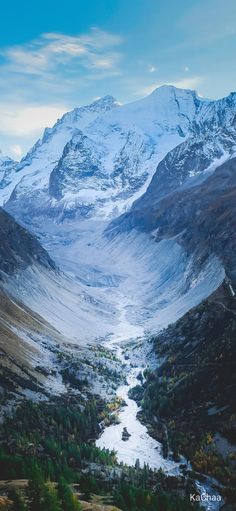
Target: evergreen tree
{"type": "Point", "coordinates": [68, 500]}
{"type": "Point", "coordinates": [35, 491]}
{"type": "Point", "coordinates": [50, 498]}
{"type": "Point", "coordinates": [18, 502]}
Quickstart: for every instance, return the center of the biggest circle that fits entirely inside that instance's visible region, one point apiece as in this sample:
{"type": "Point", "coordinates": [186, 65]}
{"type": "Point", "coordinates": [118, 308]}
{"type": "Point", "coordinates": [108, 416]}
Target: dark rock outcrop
{"type": "Point", "coordinates": [18, 248]}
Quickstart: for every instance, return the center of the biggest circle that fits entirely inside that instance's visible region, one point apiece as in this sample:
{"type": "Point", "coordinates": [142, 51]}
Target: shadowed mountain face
{"type": "Point", "coordinates": [27, 341]}
{"type": "Point", "coordinates": [159, 154]}
{"type": "Point", "coordinates": [91, 165]}
{"type": "Point", "coordinates": [98, 159]}
{"type": "Point", "coordinates": [201, 217]}
{"type": "Point", "coordinates": [19, 249]}
{"type": "Point", "coordinates": [34, 302]}
{"type": "Point", "coordinates": [169, 162]}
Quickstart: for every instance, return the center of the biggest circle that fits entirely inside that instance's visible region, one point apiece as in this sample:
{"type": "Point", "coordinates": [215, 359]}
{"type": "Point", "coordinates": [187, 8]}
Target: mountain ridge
{"type": "Point", "coordinates": [133, 139]}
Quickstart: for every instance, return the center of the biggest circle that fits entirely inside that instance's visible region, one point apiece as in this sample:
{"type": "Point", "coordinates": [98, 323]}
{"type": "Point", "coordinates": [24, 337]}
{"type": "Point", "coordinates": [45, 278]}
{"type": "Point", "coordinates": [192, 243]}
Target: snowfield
{"type": "Point", "coordinates": [88, 169]}
{"type": "Point", "coordinates": [121, 288]}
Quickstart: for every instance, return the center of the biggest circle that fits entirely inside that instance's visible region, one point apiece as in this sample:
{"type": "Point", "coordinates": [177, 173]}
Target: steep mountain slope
{"type": "Point", "coordinates": [128, 283]}
{"type": "Point", "coordinates": [192, 161]}
{"type": "Point", "coordinates": [190, 398]}
{"type": "Point", "coordinates": [201, 217]}
{"type": "Point", "coordinates": [44, 155]}
{"type": "Point", "coordinates": [27, 346]}
{"type": "Point", "coordinates": [19, 248]}
{"type": "Point", "coordinates": [26, 340]}
{"type": "Point", "coordinates": [100, 169]}
{"type": "Point", "coordinates": [44, 322]}
{"type": "Point", "coordinates": [7, 171]}
{"type": "Point", "coordinates": [29, 275]}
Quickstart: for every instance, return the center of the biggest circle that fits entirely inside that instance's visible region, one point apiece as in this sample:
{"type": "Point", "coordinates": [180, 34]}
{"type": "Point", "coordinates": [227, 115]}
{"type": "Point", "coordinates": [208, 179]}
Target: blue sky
{"type": "Point", "coordinates": [55, 55]}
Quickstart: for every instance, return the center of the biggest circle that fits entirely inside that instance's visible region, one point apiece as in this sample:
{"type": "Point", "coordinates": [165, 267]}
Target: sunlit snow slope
{"type": "Point", "coordinates": [98, 159]}
{"type": "Point", "coordinates": [119, 279]}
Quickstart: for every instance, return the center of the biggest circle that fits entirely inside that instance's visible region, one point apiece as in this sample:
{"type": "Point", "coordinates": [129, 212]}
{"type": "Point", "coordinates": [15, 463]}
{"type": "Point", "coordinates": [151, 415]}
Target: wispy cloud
{"type": "Point", "coordinates": [52, 51]}
{"type": "Point", "coordinates": [43, 74]}
{"type": "Point", "coordinates": [152, 69]}
{"type": "Point", "coordinates": [182, 83]}
{"type": "Point", "coordinates": [23, 119]}
{"type": "Point", "coordinates": [16, 150]}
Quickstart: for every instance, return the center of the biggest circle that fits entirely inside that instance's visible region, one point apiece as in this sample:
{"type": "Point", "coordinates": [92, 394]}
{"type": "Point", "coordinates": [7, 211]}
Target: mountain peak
{"type": "Point", "coordinates": [105, 103]}
{"type": "Point", "coordinates": [98, 106]}
{"type": "Point", "coordinates": [168, 90]}
{"type": "Point", "coordinates": [232, 96]}
{"type": "Point", "coordinates": [5, 158]}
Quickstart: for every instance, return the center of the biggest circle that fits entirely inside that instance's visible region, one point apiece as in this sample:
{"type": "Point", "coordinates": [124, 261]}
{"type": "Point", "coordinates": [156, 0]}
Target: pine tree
{"type": "Point", "coordinates": [35, 491]}
{"type": "Point", "coordinates": [50, 498]}
{"type": "Point", "coordinates": [68, 501]}
{"type": "Point", "coordinates": [18, 502]}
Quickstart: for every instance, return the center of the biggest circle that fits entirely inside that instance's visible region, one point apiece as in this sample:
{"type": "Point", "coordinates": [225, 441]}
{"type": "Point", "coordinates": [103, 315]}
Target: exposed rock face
{"type": "Point", "coordinates": [98, 159]}
{"type": "Point", "coordinates": [7, 169]}
{"type": "Point", "coordinates": [192, 390]}
{"type": "Point", "coordinates": [8, 174]}
{"type": "Point", "coordinates": [19, 249]}
{"type": "Point", "coordinates": [93, 164]}
{"type": "Point", "coordinates": [27, 341]}
{"type": "Point", "coordinates": [125, 435]}
{"type": "Point", "coordinates": [201, 217]}
{"type": "Point", "coordinates": [23, 351]}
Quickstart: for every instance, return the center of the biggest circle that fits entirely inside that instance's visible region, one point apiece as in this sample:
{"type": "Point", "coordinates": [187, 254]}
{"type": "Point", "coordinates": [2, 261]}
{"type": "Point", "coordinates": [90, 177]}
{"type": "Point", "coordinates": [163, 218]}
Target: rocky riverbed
{"type": "Point", "coordinates": [140, 448]}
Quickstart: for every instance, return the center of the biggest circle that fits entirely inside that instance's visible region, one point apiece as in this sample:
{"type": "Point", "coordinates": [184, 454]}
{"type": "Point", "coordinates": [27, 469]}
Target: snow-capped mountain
{"type": "Point", "coordinates": [98, 159]}
{"type": "Point", "coordinates": [95, 163]}
{"type": "Point", "coordinates": [45, 316]}
{"type": "Point", "coordinates": [27, 341]}
{"type": "Point", "coordinates": [30, 276]}
{"type": "Point", "coordinates": [199, 214]}
{"type": "Point", "coordinates": [190, 163]}
{"type": "Point", "coordinates": [7, 173]}
{"type": "Point", "coordinates": [44, 155]}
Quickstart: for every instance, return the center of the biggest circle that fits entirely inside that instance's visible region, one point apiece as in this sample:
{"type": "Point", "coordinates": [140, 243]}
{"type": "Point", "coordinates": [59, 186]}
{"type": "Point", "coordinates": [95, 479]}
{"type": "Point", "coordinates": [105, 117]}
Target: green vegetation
{"type": "Point", "coordinates": [18, 501]}
{"type": "Point", "coordinates": [190, 398]}
{"type": "Point", "coordinates": [55, 437]}
{"type": "Point", "coordinates": [67, 498]}
{"type": "Point", "coordinates": [131, 498]}
{"type": "Point", "coordinates": [52, 445]}
{"type": "Point", "coordinates": [44, 496]}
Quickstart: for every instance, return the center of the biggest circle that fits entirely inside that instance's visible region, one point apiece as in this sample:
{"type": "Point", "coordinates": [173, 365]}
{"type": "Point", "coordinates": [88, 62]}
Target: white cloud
{"type": "Point", "coordinates": [16, 150]}
{"type": "Point", "coordinates": [52, 50]}
{"type": "Point", "coordinates": [185, 83]}
{"type": "Point", "coordinates": [152, 69]}
{"type": "Point", "coordinates": [20, 120]}
{"type": "Point", "coordinates": [25, 61]}
{"type": "Point", "coordinates": [43, 73]}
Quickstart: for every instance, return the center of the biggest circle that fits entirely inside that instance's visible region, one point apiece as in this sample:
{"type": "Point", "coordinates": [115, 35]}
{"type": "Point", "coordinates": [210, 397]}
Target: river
{"type": "Point", "coordinates": [140, 445]}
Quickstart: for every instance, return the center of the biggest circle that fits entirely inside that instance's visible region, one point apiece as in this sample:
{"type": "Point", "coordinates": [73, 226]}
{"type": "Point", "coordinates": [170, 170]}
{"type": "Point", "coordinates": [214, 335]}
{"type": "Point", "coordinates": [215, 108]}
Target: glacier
{"type": "Point", "coordinates": [94, 165]}
{"type": "Point", "coordinates": [119, 288]}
